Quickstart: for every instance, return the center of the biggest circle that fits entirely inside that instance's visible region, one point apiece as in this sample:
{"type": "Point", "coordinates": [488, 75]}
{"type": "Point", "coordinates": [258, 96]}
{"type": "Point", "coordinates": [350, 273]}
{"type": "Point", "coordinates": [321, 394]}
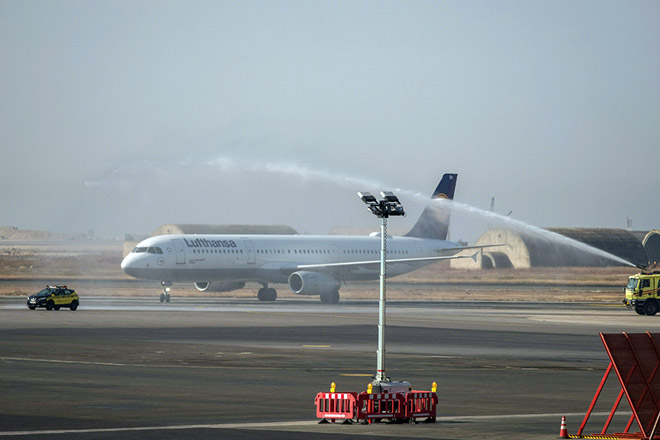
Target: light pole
{"type": "Point", "coordinates": [388, 206]}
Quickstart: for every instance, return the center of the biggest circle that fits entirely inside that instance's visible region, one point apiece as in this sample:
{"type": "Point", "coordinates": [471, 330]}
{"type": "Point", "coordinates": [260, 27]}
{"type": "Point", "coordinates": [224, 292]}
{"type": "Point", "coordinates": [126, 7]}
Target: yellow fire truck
{"type": "Point", "coordinates": [643, 292]}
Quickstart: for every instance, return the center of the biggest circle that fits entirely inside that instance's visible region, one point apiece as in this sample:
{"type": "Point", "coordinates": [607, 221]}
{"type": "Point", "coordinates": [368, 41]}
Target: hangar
{"type": "Point", "coordinates": [521, 250]}
{"type": "Point", "coordinates": [223, 229]}
{"type": "Point", "coordinates": [651, 243]}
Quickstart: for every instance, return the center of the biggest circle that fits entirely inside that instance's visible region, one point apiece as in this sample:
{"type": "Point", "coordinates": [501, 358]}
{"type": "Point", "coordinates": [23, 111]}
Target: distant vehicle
{"type": "Point", "coordinates": [643, 292]}
{"type": "Point", "coordinates": [54, 297]}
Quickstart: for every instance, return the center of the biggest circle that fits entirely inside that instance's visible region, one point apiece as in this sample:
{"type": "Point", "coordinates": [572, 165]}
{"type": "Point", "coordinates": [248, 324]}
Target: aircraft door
{"type": "Point", "coordinates": [335, 253]}
{"type": "Point", "coordinates": [180, 251]}
{"type": "Point", "coordinates": [250, 252]}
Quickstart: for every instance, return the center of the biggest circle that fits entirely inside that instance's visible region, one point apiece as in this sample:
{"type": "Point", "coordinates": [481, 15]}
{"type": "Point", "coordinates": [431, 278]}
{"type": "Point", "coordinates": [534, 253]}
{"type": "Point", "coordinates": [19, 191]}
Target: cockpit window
{"type": "Point", "coordinates": [632, 283]}
{"type": "Point", "coordinates": [150, 250]}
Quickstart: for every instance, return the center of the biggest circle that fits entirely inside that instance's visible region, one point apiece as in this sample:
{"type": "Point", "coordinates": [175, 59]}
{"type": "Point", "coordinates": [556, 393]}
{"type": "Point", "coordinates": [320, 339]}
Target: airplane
{"type": "Point", "coordinates": [309, 264]}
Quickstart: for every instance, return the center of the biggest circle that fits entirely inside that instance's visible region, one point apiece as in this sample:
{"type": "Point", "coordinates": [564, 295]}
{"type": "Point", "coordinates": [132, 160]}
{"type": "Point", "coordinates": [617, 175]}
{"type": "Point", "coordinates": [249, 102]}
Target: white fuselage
{"type": "Point", "coordinates": [272, 258]}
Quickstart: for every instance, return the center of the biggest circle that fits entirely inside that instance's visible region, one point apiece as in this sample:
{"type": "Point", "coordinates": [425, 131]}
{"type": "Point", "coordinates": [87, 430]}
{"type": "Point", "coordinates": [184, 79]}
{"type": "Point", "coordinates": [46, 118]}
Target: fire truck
{"type": "Point", "coordinates": [643, 292]}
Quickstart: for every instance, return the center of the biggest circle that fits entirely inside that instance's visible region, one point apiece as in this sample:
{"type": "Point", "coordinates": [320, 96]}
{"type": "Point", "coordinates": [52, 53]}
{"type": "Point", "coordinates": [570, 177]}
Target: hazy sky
{"type": "Point", "coordinates": [119, 116]}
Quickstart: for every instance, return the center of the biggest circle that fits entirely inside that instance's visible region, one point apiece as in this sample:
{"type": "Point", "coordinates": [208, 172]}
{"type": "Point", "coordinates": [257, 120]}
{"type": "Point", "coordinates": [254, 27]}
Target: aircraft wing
{"type": "Point", "coordinates": [462, 248]}
{"type": "Point", "coordinates": [377, 262]}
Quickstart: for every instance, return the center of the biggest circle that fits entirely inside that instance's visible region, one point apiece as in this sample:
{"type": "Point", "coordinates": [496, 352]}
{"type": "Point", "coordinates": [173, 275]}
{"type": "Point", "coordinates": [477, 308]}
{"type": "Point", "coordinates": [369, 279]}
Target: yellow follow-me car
{"type": "Point", "coordinates": [54, 297]}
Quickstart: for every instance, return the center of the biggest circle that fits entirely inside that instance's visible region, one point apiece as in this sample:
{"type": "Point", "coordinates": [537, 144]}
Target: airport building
{"type": "Point", "coordinates": [651, 243]}
{"type": "Point", "coordinates": [552, 248]}
{"type": "Point", "coordinates": [170, 229]}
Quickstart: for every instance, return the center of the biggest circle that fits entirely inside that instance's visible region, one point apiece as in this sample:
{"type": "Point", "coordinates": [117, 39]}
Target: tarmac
{"type": "Point", "coordinates": [227, 368]}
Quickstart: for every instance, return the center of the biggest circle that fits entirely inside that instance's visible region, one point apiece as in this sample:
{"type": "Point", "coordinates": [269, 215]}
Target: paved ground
{"type": "Point", "coordinates": [219, 368]}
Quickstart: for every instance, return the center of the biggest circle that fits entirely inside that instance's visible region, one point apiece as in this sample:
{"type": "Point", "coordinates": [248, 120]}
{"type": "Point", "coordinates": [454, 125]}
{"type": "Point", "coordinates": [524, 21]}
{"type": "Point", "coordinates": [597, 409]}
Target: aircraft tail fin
{"type": "Point", "coordinates": [434, 221]}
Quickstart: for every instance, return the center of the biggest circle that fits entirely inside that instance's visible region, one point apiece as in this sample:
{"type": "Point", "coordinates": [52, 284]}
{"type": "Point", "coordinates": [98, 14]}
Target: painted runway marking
{"type": "Point", "coordinates": [270, 425]}
{"type": "Point", "coordinates": [61, 361]}
{"type": "Point", "coordinates": [113, 364]}
{"type": "Point", "coordinates": [193, 367]}
{"type": "Point", "coordinates": [517, 416]}
{"type": "Point", "coordinates": [163, 428]}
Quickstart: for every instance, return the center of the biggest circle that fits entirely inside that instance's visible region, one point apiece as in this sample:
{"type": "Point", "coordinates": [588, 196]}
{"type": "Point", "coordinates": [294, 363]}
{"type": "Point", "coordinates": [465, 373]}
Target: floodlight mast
{"type": "Point", "coordinates": [388, 206]}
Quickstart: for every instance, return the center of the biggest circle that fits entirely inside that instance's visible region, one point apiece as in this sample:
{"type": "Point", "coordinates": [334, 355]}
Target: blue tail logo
{"type": "Point", "coordinates": [434, 221]}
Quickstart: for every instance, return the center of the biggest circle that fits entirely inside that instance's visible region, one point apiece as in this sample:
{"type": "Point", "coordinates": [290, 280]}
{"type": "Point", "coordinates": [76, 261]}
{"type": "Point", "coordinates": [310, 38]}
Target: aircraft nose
{"type": "Point", "coordinates": [127, 265]}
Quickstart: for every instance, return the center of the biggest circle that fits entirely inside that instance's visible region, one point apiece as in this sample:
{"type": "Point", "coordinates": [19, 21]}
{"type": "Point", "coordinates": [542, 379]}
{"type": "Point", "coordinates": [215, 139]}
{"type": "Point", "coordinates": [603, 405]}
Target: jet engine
{"type": "Point", "coordinates": [219, 286]}
{"type": "Point", "coordinates": [312, 283]}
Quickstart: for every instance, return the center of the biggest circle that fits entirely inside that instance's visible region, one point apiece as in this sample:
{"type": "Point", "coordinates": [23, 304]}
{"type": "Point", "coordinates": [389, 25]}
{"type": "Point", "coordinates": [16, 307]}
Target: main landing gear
{"type": "Point", "coordinates": [165, 296]}
{"type": "Point", "coordinates": [330, 297]}
{"type": "Point", "coordinates": [267, 294]}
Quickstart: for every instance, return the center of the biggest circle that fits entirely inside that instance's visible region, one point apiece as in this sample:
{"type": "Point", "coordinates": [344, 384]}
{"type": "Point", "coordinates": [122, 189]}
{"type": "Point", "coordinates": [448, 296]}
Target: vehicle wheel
{"type": "Point", "coordinates": [262, 294]}
{"type": "Point", "coordinates": [640, 310]}
{"type": "Point", "coordinates": [74, 305]}
{"type": "Point", "coordinates": [272, 294]}
{"type": "Point", "coordinates": [32, 307]}
{"type": "Point", "coordinates": [50, 305]}
{"type": "Point", "coordinates": [167, 297]}
{"type": "Point", "coordinates": [330, 298]}
{"type": "Point", "coordinates": [651, 307]}
{"type": "Point", "coordinates": [162, 297]}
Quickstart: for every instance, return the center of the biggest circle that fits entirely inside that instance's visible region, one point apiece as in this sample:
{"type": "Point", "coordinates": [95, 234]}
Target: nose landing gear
{"type": "Point", "coordinates": [165, 296]}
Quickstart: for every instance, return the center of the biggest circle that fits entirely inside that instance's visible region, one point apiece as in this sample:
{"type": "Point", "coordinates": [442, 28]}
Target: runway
{"type": "Point", "coordinates": [228, 368]}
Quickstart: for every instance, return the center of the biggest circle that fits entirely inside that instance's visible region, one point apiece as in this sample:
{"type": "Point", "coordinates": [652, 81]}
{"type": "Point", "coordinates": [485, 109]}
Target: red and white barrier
{"type": "Point", "coordinates": [335, 406]}
{"type": "Point", "coordinates": [381, 406]}
{"type": "Point", "coordinates": [372, 407]}
{"type": "Point", "coordinates": [421, 404]}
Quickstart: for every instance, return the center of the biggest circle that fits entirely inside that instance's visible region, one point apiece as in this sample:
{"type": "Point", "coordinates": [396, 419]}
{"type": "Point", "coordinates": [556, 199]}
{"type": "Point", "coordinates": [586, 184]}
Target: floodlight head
{"type": "Point", "coordinates": [389, 196]}
{"type": "Point", "coordinates": [367, 197]}
{"type": "Point", "coordinates": [396, 210]}
{"type": "Point", "coordinates": [375, 209]}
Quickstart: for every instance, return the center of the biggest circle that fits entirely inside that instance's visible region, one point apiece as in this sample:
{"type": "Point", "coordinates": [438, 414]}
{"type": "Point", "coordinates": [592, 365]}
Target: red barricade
{"type": "Point", "coordinates": [381, 406]}
{"type": "Point", "coordinates": [635, 360]}
{"type": "Point", "coordinates": [335, 406]}
{"type": "Point", "coordinates": [421, 404]}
